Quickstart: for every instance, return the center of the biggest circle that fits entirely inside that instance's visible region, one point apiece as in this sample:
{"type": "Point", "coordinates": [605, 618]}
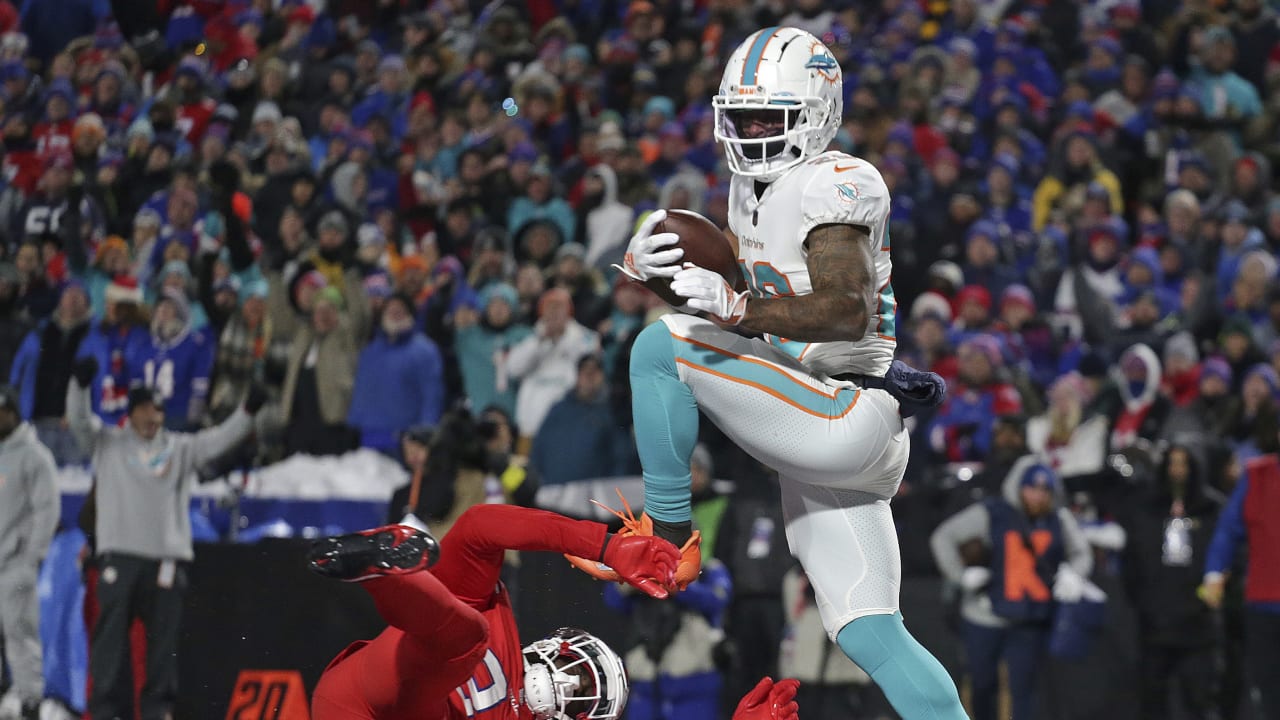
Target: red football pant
{"type": "Point", "coordinates": [431, 647]}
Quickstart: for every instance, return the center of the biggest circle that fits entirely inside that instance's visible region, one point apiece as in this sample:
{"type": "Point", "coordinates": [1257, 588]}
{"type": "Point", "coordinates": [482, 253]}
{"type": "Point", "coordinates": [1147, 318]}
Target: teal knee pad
{"type": "Point", "coordinates": [912, 679]}
{"type": "Point", "coordinates": [666, 424]}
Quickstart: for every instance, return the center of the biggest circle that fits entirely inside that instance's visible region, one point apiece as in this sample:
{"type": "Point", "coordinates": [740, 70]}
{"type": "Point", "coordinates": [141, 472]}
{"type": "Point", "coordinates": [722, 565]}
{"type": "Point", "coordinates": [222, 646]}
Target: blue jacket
{"type": "Point", "coordinates": [114, 352]}
{"type": "Point", "coordinates": [399, 383]}
{"type": "Point", "coordinates": [579, 441]}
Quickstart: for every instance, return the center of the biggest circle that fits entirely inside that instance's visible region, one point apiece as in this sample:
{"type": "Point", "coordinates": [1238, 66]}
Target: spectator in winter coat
{"type": "Point", "coordinates": [961, 430]}
{"type": "Point", "coordinates": [546, 362]}
{"type": "Point", "coordinates": [1063, 189]}
{"type": "Point", "coordinates": [249, 349]}
{"type": "Point", "coordinates": [116, 341]}
{"type": "Point", "coordinates": [539, 203]}
{"type": "Point", "coordinates": [177, 363]}
{"type": "Point", "coordinates": [29, 504]}
{"type": "Point", "coordinates": [318, 384]}
{"type": "Point", "coordinates": [1072, 444]}
{"type": "Point", "coordinates": [608, 223]}
{"type": "Point", "coordinates": [42, 369]}
{"type": "Point", "coordinates": [1168, 535]}
{"type": "Point", "coordinates": [578, 439]}
{"type": "Point", "coordinates": [483, 343]}
{"type": "Point", "coordinates": [1143, 411]}
{"type": "Point", "coordinates": [399, 380]}
{"type": "Point", "coordinates": [1031, 554]}
{"type": "Point", "coordinates": [983, 264]}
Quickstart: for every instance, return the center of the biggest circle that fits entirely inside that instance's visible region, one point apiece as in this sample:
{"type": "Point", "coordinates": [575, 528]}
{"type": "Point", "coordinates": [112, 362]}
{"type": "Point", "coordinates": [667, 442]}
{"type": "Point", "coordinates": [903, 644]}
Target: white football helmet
{"type": "Point", "coordinates": [572, 675]}
{"type": "Point", "coordinates": [786, 71]}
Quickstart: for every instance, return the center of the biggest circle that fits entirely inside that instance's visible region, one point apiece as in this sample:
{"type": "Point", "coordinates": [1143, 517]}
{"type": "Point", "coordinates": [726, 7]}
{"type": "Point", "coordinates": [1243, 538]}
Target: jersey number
{"type": "Point", "coordinates": [765, 280]}
{"type": "Point", "coordinates": [476, 699]}
{"type": "Point", "coordinates": [160, 378]}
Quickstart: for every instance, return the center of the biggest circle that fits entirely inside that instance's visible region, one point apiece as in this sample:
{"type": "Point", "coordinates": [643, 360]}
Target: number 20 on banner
{"type": "Point", "coordinates": [268, 695]}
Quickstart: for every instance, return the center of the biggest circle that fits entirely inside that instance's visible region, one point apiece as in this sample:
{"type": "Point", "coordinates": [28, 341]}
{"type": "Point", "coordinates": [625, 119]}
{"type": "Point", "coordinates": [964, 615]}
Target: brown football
{"type": "Point", "coordinates": [704, 245]}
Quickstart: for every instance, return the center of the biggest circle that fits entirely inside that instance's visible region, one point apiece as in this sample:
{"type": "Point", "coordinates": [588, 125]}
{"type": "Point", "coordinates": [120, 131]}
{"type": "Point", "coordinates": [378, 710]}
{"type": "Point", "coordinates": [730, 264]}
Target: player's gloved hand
{"type": "Point", "coordinates": [710, 293]}
{"type": "Point", "coordinates": [769, 701]}
{"type": "Point", "coordinates": [975, 578]}
{"type": "Point", "coordinates": [1068, 586]}
{"type": "Point", "coordinates": [84, 371]}
{"type": "Point", "coordinates": [646, 257]}
{"type": "Point", "coordinates": [646, 563]}
{"type": "Point", "coordinates": [687, 569]}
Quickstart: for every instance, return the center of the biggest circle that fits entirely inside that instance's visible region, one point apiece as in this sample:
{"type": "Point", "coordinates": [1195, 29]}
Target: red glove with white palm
{"type": "Point", "coordinates": [770, 701]}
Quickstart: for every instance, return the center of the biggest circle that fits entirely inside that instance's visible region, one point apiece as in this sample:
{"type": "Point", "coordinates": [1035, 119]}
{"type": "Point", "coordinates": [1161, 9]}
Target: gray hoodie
{"type": "Point", "coordinates": [143, 488]}
{"type": "Point", "coordinates": [29, 501]}
{"type": "Point", "coordinates": [974, 523]}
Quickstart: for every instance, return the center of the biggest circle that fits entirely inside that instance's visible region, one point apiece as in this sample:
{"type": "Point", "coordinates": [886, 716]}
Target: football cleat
{"type": "Point", "coordinates": [387, 550]}
{"type": "Point", "coordinates": [690, 553]}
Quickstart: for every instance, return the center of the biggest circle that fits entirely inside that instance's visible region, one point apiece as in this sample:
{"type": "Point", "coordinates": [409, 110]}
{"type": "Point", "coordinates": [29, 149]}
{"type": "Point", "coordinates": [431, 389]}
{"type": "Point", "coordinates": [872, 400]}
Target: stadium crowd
{"type": "Point", "coordinates": [385, 214]}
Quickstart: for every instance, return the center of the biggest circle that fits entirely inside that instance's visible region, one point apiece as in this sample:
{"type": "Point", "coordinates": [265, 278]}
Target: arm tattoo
{"type": "Point", "coordinates": [843, 297]}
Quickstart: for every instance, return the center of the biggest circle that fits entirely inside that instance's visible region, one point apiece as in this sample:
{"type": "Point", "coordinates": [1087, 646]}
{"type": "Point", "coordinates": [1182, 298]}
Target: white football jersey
{"type": "Point", "coordinates": [832, 188]}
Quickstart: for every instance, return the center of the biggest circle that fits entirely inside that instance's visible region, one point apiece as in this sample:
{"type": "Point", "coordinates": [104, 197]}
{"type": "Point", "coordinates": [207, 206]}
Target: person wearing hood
{"type": "Point", "coordinates": [29, 507]}
{"type": "Point", "coordinates": [177, 362]}
{"type": "Point", "coordinates": [483, 342]}
{"type": "Point", "coordinates": [604, 223]}
{"type": "Point", "coordinates": [399, 380]}
{"type": "Point", "coordinates": [1013, 556]}
{"type": "Point", "coordinates": [450, 293]}
{"type": "Point", "coordinates": [1168, 531]}
{"type": "Point", "coordinates": [1143, 410]}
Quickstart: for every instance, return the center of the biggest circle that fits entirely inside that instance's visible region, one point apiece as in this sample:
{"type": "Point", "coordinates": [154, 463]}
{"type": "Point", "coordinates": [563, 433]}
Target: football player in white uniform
{"type": "Point", "coordinates": [794, 370]}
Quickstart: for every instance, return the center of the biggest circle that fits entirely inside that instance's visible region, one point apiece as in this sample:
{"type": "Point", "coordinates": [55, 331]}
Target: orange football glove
{"type": "Point", "coordinates": [687, 570]}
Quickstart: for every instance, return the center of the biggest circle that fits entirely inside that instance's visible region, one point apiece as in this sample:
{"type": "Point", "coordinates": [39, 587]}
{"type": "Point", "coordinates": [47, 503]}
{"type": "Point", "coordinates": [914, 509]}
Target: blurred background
{"type": "Point", "coordinates": [392, 222]}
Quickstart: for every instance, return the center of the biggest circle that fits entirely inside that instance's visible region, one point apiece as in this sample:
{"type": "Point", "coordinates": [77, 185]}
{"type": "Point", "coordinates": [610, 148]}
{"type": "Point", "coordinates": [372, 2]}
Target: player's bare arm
{"type": "Point", "coordinates": [840, 306]}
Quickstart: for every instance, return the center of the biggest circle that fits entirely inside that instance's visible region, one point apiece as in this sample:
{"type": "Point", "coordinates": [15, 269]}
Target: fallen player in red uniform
{"type": "Point", "coordinates": [453, 651]}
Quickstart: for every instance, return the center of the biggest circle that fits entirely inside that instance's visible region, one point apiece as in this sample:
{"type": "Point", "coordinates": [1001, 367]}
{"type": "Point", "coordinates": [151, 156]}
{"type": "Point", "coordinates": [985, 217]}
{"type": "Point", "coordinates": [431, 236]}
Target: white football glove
{"type": "Point", "coordinates": [975, 578]}
{"type": "Point", "coordinates": [1068, 586]}
{"type": "Point", "coordinates": [645, 256]}
{"type": "Point", "coordinates": [710, 293]}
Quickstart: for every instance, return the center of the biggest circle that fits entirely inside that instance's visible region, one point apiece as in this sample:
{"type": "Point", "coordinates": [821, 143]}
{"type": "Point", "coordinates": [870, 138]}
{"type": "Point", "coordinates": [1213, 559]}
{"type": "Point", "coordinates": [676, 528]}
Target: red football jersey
{"type": "Point", "coordinates": [493, 692]}
{"type": "Point", "coordinates": [470, 562]}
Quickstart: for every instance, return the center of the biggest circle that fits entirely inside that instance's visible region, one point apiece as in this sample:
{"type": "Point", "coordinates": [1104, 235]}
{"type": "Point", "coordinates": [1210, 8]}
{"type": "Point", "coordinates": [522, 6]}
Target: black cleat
{"type": "Point", "coordinates": [387, 550]}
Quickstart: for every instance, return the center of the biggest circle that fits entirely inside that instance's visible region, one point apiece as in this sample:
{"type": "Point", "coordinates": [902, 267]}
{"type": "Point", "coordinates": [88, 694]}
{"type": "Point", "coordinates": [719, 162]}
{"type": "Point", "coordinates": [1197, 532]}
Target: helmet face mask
{"type": "Point", "coordinates": [790, 76]}
{"type": "Point", "coordinates": [573, 675]}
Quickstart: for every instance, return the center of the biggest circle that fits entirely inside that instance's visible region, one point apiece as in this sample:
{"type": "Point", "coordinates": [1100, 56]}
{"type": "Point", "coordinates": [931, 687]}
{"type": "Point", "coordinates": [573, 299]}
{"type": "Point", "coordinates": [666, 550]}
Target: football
{"type": "Point", "coordinates": [704, 245]}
